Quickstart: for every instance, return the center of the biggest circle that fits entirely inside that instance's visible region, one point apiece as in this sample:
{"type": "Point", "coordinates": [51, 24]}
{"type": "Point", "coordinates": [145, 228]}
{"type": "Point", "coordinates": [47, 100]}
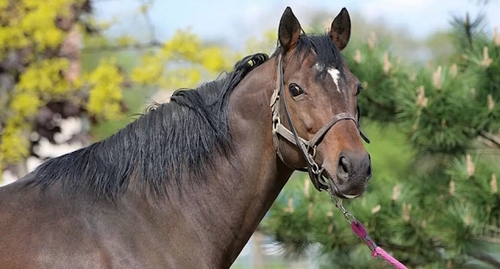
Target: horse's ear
{"type": "Point", "coordinates": [289, 30]}
{"type": "Point", "coordinates": [341, 29]}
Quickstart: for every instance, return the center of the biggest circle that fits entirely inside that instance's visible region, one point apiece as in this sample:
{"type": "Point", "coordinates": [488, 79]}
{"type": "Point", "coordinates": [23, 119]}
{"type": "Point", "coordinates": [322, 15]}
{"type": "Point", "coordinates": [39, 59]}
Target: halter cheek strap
{"type": "Point", "coordinates": [305, 146]}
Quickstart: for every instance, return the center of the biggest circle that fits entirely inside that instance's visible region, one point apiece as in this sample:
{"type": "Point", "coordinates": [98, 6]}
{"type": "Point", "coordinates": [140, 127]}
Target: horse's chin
{"type": "Point", "coordinates": [342, 193]}
{"type": "Point", "coordinates": [348, 196]}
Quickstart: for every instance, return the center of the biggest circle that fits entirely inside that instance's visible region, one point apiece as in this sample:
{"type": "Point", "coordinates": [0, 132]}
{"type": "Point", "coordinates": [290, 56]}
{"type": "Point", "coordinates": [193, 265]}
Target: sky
{"type": "Point", "coordinates": [235, 21]}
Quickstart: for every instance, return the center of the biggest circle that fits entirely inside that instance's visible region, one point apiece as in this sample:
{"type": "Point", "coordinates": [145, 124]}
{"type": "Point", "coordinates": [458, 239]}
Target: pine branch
{"type": "Point", "coordinates": [468, 30]}
{"type": "Point", "coordinates": [380, 105]}
{"type": "Point", "coordinates": [489, 259]}
{"type": "Point", "coordinates": [493, 139]}
{"type": "Point", "coordinates": [149, 22]}
{"type": "Point", "coordinates": [489, 239]}
{"type": "Point", "coordinates": [139, 46]}
{"type": "Point", "coordinates": [126, 84]}
{"type": "Point", "coordinates": [153, 43]}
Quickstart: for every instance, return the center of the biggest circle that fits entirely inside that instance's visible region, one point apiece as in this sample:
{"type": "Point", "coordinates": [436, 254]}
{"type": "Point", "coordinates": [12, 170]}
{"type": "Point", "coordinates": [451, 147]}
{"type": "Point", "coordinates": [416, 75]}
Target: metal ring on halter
{"type": "Point", "coordinates": [322, 180]}
{"type": "Point", "coordinates": [313, 150]}
{"type": "Point", "coordinates": [315, 168]}
{"type": "Point", "coordinates": [276, 122]}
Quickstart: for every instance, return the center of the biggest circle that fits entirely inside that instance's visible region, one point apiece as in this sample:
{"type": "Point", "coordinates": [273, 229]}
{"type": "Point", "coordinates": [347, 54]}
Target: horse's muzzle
{"type": "Point", "coordinates": [351, 176]}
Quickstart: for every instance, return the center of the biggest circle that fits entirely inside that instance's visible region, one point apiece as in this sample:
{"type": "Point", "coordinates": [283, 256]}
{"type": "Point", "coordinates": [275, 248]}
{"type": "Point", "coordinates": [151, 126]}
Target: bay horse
{"type": "Point", "coordinates": [186, 184]}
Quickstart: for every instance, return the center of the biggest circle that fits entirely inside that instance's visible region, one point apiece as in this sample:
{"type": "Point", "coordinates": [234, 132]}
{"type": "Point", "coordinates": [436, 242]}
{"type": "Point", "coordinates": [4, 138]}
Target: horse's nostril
{"type": "Point", "coordinates": [344, 164]}
{"type": "Point", "coordinates": [369, 170]}
{"type": "Point", "coordinates": [343, 169]}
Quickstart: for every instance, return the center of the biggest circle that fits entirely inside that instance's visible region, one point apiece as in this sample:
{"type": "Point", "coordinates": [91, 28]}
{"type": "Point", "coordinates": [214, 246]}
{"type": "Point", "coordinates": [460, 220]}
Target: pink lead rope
{"type": "Point", "coordinates": [361, 232]}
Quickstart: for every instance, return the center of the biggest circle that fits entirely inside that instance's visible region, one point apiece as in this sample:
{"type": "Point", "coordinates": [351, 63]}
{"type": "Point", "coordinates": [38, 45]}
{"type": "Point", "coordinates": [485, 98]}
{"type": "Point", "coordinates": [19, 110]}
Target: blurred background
{"type": "Point", "coordinates": [73, 72]}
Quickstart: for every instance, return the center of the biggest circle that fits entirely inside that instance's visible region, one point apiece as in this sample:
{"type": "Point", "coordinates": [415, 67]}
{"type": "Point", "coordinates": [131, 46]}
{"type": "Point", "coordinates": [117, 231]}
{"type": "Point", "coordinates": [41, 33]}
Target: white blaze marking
{"type": "Point", "coordinates": [334, 73]}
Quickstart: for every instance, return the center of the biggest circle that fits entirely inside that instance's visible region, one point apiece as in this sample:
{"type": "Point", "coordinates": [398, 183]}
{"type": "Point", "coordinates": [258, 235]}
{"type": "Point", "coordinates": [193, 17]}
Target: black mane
{"type": "Point", "coordinates": [327, 53]}
{"type": "Point", "coordinates": [171, 143]}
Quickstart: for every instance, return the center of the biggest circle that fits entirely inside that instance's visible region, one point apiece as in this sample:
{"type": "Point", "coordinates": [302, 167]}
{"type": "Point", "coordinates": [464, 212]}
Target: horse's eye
{"type": "Point", "coordinates": [359, 89]}
{"type": "Point", "coordinates": [295, 90]}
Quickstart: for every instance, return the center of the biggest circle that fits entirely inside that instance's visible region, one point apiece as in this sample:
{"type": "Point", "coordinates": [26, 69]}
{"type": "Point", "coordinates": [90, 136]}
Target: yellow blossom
{"type": "Point", "coordinates": [106, 91]}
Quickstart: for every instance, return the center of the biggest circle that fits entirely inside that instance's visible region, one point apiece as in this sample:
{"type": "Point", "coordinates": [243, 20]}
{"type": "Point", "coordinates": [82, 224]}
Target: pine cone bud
{"type": "Point", "coordinates": [357, 56]}
{"type": "Point", "coordinates": [372, 40]}
{"type": "Point", "coordinates": [436, 78]}
{"type": "Point", "coordinates": [491, 103]}
{"type": "Point", "coordinates": [387, 63]}
{"type": "Point", "coordinates": [415, 125]}
{"type": "Point", "coordinates": [406, 211]}
{"type": "Point", "coordinates": [486, 58]}
{"type": "Point", "coordinates": [496, 36]}
{"type": "Point", "coordinates": [395, 192]}
{"type": "Point", "coordinates": [470, 166]}
{"type": "Point", "coordinates": [468, 219]}
{"type": "Point", "coordinates": [452, 187]}
{"type": "Point", "coordinates": [421, 99]}
{"type": "Point", "coordinates": [376, 209]}
{"type": "Point", "coordinates": [453, 70]}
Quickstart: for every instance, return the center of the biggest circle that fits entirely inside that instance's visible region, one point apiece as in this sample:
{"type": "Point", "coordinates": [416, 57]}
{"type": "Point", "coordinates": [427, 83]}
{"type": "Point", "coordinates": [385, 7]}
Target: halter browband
{"type": "Point", "coordinates": [305, 146]}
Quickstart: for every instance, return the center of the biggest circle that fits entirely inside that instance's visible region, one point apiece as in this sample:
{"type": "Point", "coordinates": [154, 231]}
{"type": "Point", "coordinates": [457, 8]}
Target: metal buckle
{"type": "Point", "coordinates": [276, 121]}
{"type": "Point", "coordinates": [338, 203]}
{"type": "Point", "coordinates": [274, 97]}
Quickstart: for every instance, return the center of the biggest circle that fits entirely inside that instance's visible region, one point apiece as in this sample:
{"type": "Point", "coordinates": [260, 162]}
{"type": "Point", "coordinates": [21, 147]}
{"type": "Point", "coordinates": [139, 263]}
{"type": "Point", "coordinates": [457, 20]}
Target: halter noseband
{"type": "Point", "coordinates": [305, 146]}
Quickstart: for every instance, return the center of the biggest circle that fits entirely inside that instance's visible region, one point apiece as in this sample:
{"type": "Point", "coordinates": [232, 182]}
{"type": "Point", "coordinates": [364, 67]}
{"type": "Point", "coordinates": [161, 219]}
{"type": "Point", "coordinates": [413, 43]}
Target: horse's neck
{"type": "Point", "coordinates": [230, 206]}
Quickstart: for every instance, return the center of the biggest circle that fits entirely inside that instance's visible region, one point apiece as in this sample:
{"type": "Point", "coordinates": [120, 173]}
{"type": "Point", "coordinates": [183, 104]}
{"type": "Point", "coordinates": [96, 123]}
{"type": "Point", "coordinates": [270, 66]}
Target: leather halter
{"type": "Point", "coordinates": [305, 146]}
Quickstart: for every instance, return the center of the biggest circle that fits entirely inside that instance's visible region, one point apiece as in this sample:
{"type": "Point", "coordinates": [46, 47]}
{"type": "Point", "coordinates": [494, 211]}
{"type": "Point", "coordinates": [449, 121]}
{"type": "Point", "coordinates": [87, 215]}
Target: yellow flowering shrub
{"type": "Point", "coordinates": [106, 91]}
{"type": "Point", "coordinates": [151, 70]}
{"type": "Point", "coordinates": [13, 147]}
{"type": "Point", "coordinates": [31, 26]}
{"type": "Point", "coordinates": [44, 78]}
{"type": "Point", "coordinates": [183, 61]}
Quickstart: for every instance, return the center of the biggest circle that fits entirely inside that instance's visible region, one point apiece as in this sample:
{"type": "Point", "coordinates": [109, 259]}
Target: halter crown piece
{"type": "Point", "coordinates": [307, 147]}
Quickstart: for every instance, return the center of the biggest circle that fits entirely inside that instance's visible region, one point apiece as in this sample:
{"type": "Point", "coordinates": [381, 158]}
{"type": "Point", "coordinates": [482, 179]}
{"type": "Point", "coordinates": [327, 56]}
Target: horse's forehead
{"type": "Point", "coordinates": [333, 72]}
